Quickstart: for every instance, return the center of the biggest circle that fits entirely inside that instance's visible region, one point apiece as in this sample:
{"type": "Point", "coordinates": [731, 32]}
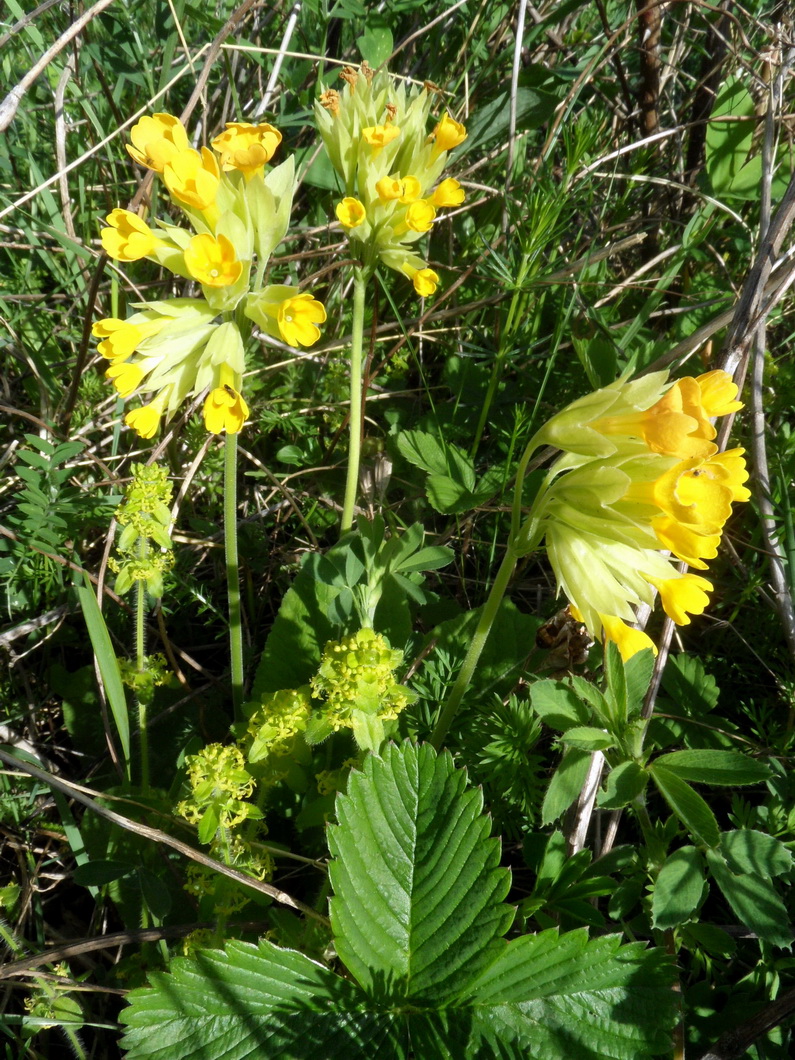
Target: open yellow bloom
{"type": "Point", "coordinates": [298, 318]}
{"type": "Point", "coordinates": [448, 193]}
{"type": "Point", "coordinates": [213, 261]}
{"type": "Point", "coordinates": [378, 136]}
{"type": "Point", "coordinates": [412, 189]}
{"type": "Point", "coordinates": [350, 212]}
{"type": "Point", "coordinates": [420, 215]}
{"type": "Point", "coordinates": [224, 407]}
{"type": "Point", "coordinates": [628, 640]}
{"type": "Point", "coordinates": [193, 178]}
{"type": "Point", "coordinates": [126, 376]}
{"type": "Point", "coordinates": [425, 281]}
{"type": "Point", "coordinates": [246, 147]}
{"type": "Point", "coordinates": [119, 338]}
{"type": "Point", "coordinates": [447, 135]}
{"type": "Point", "coordinates": [682, 597]}
{"type": "Point", "coordinates": [699, 493]}
{"type": "Point", "coordinates": [389, 188]}
{"type": "Point", "coordinates": [128, 238]}
{"type": "Point", "coordinates": [156, 139]}
{"type": "Point", "coordinates": [146, 419]}
{"type": "Point", "coordinates": [718, 393]}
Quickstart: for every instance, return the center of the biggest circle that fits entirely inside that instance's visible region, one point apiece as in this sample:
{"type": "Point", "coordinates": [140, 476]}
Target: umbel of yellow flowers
{"type": "Point", "coordinates": [375, 131]}
{"type": "Point", "coordinates": [177, 348]}
{"type": "Point", "coordinates": [639, 477]}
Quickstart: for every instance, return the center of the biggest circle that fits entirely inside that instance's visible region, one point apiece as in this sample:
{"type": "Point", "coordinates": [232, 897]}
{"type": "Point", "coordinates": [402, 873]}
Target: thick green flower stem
{"type": "Point", "coordinates": [233, 573]}
{"type": "Point", "coordinates": [355, 446]}
{"type": "Point", "coordinates": [479, 639]}
{"type": "Point", "coordinates": [140, 665]}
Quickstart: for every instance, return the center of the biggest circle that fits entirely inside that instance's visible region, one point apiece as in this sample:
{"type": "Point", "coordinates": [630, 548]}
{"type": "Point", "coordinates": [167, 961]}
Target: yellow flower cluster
{"type": "Point", "coordinates": [375, 134]}
{"type": "Point", "coordinates": [639, 474]}
{"type": "Point", "coordinates": [275, 722]}
{"type": "Point", "coordinates": [180, 347]}
{"type": "Point", "coordinates": [220, 786]}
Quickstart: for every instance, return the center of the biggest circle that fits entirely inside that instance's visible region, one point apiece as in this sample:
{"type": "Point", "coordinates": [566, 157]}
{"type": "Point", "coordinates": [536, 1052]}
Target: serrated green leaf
{"type": "Point", "coordinates": [417, 882]}
{"type": "Point", "coordinates": [678, 888]}
{"type": "Point", "coordinates": [616, 684]}
{"type": "Point", "coordinates": [687, 804]}
{"type": "Point", "coordinates": [587, 738]}
{"type": "Point", "coordinates": [755, 853]}
{"type": "Point", "coordinates": [689, 685]}
{"type": "Point", "coordinates": [710, 938]}
{"type": "Point", "coordinates": [638, 670]}
{"type": "Point", "coordinates": [624, 783]}
{"type": "Point", "coordinates": [565, 785]}
{"type": "Point", "coordinates": [447, 496]}
{"type": "Point", "coordinates": [250, 1002]}
{"type": "Point", "coordinates": [567, 996]}
{"type": "Point", "coordinates": [707, 766]}
{"type": "Point", "coordinates": [754, 900]}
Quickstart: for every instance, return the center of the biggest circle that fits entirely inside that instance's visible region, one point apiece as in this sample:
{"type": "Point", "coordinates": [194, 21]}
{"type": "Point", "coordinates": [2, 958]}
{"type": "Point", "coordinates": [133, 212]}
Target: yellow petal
{"type": "Point", "coordinates": [630, 641]}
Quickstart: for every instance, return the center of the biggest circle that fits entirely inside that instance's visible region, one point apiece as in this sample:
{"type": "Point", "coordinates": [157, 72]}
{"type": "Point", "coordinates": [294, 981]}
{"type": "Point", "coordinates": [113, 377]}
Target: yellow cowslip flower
{"type": "Point", "coordinates": [447, 135]}
{"type": "Point", "coordinates": [128, 238]}
{"type": "Point", "coordinates": [298, 318]}
{"type": "Point", "coordinates": [378, 136]}
{"type": "Point", "coordinates": [682, 595]}
{"type": "Point", "coordinates": [156, 139]}
{"type": "Point", "coordinates": [246, 147]}
{"type": "Point", "coordinates": [350, 212]}
{"type": "Point", "coordinates": [284, 313]}
{"type": "Point", "coordinates": [193, 179]}
{"type": "Point", "coordinates": [224, 407]}
{"type": "Point", "coordinates": [126, 376]}
{"type": "Point", "coordinates": [420, 216]}
{"type": "Point", "coordinates": [389, 188]}
{"type": "Point", "coordinates": [644, 414]}
{"type": "Point", "coordinates": [213, 261]}
{"type": "Point", "coordinates": [146, 419]}
{"type": "Point", "coordinates": [627, 639]}
{"type": "Point", "coordinates": [119, 338]}
{"type": "Point", "coordinates": [425, 281]}
{"type": "Point", "coordinates": [449, 193]}
{"type": "Point", "coordinates": [412, 189]}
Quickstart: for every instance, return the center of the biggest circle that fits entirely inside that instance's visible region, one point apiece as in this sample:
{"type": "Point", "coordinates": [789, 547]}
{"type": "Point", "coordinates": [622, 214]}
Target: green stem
{"type": "Point", "coordinates": [140, 665]}
{"type": "Point", "coordinates": [482, 631]}
{"type": "Point", "coordinates": [233, 572]}
{"type": "Point", "coordinates": [355, 446]}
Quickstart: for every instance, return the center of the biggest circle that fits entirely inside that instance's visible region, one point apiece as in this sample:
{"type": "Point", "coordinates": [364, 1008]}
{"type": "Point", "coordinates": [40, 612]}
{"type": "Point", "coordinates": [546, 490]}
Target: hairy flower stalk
{"type": "Point", "coordinates": [639, 484]}
{"type": "Point", "coordinates": [376, 134]}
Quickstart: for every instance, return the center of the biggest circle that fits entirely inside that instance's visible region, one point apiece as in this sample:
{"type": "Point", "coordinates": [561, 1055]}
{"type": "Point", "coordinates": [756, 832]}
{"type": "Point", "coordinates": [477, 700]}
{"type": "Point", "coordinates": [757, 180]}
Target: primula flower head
{"type": "Point", "coordinates": [622, 492]}
{"type": "Point", "coordinates": [212, 261]}
{"type": "Point", "coordinates": [375, 131]}
{"type": "Point", "coordinates": [193, 178]}
{"type": "Point", "coordinates": [246, 147]}
{"type": "Point", "coordinates": [128, 238]}
{"type": "Point", "coordinates": [224, 407]}
{"type": "Point", "coordinates": [156, 139]}
{"type": "Point", "coordinates": [286, 314]}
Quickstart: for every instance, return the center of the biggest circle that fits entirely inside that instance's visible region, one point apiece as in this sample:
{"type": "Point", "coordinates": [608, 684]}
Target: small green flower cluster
{"type": "Point", "coordinates": [220, 786]}
{"type": "Point", "coordinates": [276, 720]}
{"type": "Point", "coordinates": [145, 516]}
{"type": "Point", "coordinates": [143, 682]}
{"type": "Point", "coordinates": [356, 681]}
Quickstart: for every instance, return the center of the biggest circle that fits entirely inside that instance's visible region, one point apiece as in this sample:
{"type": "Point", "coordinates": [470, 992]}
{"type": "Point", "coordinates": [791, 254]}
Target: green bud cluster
{"type": "Point", "coordinates": [144, 516]}
{"type": "Point", "coordinates": [220, 784]}
{"type": "Point", "coordinates": [275, 721]}
{"type": "Point", "coordinates": [144, 682]}
{"type": "Point", "coordinates": [357, 674]}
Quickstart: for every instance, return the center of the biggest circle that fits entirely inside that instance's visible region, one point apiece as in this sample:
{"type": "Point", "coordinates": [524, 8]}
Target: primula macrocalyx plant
{"type": "Point", "coordinates": [377, 136]}
{"type": "Point", "coordinates": [639, 477]}
{"type": "Point", "coordinates": [174, 349]}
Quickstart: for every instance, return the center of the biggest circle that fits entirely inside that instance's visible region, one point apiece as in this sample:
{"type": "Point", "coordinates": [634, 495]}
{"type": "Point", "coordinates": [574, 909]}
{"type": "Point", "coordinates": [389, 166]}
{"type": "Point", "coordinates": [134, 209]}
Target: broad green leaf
{"type": "Point", "coordinates": [678, 888]}
{"type": "Point", "coordinates": [567, 996]}
{"type": "Point", "coordinates": [376, 44]}
{"type": "Point", "coordinates": [624, 783]}
{"type": "Point", "coordinates": [251, 1002]}
{"type": "Point", "coordinates": [638, 670]}
{"type": "Point", "coordinates": [689, 685]}
{"type": "Point", "coordinates": [754, 900]}
{"type": "Point", "coordinates": [687, 804]}
{"type": "Point", "coordinates": [713, 939]}
{"type": "Point", "coordinates": [707, 766]}
{"type": "Point", "coordinates": [416, 878]}
{"type": "Point", "coordinates": [755, 853]}
{"type": "Point", "coordinates": [557, 704]}
{"type": "Point", "coordinates": [99, 872]}
{"type": "Point", "coordinates": [587, 738]}
{"type": "Point", "coordinates": [616, 683]}
{"type": "Point", "coordinates": [565, 785]}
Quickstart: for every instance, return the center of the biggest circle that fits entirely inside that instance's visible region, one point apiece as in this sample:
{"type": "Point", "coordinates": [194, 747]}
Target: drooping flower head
{"type": "Point", "coordinates": [176, 349]}
{"type": "Point", "coordinates": [640, 475]}
{"type": "Point", "coordinates": [376, 133]}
